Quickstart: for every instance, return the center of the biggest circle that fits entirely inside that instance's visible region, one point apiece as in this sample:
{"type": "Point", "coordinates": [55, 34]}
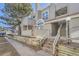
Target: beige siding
{"type": "Point", "coordinates": [52, 12]}
{"type": "Point", "coordinates": [74, 28]}
{"type": "Point", "coordinates": [48, 26]}
{"type": "Point", "coordinates": [60, 5]}
{"type": "Point", "coordinates": [73, 8]}
{"type": "Point", "coordinates": [25, 32]}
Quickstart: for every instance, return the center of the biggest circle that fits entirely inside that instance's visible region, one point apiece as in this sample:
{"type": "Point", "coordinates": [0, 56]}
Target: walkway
{"type": "Point", "coordinates": [24, 50]}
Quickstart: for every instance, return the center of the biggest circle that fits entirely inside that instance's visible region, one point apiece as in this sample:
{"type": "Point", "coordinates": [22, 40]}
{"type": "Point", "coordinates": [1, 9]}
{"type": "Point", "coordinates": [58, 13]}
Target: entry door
{"type": "Point", "coordinates": [54, 29]}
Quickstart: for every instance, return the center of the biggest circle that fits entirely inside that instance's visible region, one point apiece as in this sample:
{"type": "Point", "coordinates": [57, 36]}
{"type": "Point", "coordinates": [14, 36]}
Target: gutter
{"type": "Point", "coordinates": [60, 18]}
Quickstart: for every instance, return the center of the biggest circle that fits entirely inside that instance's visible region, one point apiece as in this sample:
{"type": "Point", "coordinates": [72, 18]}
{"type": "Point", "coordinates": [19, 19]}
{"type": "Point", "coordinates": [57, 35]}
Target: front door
{"type": "Point", "coordinates": [55, 27]}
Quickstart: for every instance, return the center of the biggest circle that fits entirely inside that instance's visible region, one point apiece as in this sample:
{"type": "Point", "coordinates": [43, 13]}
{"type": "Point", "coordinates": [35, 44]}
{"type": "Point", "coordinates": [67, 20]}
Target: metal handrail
{"type": "Point", "coordinates": [56, 39]}
{"type": "Point", "coordinates": [43, 36]}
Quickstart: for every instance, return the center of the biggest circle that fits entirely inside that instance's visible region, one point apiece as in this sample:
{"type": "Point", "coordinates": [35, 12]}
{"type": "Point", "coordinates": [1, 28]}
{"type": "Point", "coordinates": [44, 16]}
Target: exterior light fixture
{"type": "Point", "coordinates": [68, 18]}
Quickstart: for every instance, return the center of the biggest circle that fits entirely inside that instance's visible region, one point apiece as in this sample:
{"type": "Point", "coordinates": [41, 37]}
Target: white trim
{"type": "Point", "coordinates": [62, 19]}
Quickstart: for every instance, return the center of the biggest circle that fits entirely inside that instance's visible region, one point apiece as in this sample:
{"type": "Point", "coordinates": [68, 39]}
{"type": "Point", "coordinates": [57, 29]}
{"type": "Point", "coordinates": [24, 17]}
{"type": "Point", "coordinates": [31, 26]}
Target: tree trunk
{"type": "Point", "coordinates": [19, 26]}
{"type": "Point", "coordinates": [19, 30]}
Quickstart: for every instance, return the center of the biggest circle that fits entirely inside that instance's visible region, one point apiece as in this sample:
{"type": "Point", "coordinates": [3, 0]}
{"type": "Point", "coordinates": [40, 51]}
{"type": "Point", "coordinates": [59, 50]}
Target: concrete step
{"type": "Point", "coordinates": [49, 43]}
{"type": "Point", "coordinates": [43, 53]}
{"type": "Point", "coordinates": [48, 46]}
{"type": "Point", "coordinates": [49, 50]}
{"type": "Point", "coordinates": [50, 40]}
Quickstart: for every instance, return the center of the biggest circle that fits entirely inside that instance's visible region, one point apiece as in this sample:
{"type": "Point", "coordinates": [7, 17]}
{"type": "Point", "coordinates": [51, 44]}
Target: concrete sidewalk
{"type": "Point", "coordinates": [24, 50]}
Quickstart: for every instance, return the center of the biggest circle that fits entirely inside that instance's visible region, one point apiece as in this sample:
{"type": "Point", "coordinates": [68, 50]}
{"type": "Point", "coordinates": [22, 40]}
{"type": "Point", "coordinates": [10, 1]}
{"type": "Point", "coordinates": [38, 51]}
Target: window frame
{"type": "Point", "coordinates": [65, 9]}
{"type": "Point", "coordinates": [45, 15]}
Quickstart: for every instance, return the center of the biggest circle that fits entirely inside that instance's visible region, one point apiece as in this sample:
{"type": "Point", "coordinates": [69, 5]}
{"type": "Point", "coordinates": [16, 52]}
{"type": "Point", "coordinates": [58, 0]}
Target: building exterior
{"type": "Point", "coordinates": [55, 14]}
{"type": "Point", "coordinates": [27, 26]}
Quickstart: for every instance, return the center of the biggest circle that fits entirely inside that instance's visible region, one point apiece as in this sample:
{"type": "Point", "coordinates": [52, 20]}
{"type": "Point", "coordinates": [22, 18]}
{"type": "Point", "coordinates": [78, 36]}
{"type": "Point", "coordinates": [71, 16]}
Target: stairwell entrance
{"type": "Point", "coordinates": [55, 27]}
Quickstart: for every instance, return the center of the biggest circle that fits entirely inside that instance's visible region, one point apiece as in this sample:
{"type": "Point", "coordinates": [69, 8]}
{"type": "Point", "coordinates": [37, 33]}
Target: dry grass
{"type": "Point", "coordinates": [2, 40]}
{"type": "Point", "coordinates": [7, 49]}
{"type": "Point", "coordinates": [66, 49]}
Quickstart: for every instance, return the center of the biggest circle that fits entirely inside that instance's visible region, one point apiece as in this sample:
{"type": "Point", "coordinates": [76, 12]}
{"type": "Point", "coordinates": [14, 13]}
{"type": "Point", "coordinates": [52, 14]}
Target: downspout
{"type": "Point", "coordinates": [67, 29]}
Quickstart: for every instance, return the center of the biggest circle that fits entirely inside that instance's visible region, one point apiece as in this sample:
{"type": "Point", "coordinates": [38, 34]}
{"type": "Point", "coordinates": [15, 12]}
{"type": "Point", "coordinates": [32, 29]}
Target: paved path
{"type": "Point", "coordinates": [24, 50]}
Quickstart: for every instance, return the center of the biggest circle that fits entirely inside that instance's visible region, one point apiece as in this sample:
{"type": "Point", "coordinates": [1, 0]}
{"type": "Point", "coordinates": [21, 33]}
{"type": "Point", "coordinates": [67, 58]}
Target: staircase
{"type": "Point", "coordinates": [41, 35]}
{"type": "Point", "coordinates": [47, 47]}
{"type": "Point", "coordinates": [55, 43]}
{"type": "Point", "coordinates": [64, 48]}
{"type": "Point", "coordinates": [50, 44]}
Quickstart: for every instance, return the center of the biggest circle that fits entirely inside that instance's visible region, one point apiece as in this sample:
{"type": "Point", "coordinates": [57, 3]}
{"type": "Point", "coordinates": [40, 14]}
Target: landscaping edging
{"type": "Point", "coordinates": [30, 41]}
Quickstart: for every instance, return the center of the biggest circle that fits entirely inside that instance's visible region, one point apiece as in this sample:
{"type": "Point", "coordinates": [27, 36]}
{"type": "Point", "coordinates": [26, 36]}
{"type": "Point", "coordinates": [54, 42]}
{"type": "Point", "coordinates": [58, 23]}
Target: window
{"type": "Point", "coordinates": [25, 27]}
{"type": "Point", "coordinates": [61, 11]}
{"type": "Point", "coordinates": [29, 27]}
{"type": "Point", "coordinates": [45, 16]}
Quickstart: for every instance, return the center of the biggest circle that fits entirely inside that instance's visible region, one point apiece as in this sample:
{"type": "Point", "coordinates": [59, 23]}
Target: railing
{"type": "Point", "coordinates": [42, 34]}
{"type": "Point", "coordinates": [56, 39]}
{"type": "Point", "coordinates": [44, 37]}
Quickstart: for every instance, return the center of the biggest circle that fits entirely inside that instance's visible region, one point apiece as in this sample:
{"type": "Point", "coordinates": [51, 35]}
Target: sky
{"type": "Point", "coordinates": [1, 6]}
{"type": "Point", "coordinates": [43, 5]}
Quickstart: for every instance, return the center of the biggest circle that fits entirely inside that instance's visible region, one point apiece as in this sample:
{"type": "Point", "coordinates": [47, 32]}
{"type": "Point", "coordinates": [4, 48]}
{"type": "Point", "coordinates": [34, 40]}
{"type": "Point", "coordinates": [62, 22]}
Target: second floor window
{"type": "Point", "coordinates": [61, 11]}
{"type": "Point", "coordinates": [25, 27]}
{"type": "Point", "coordinates": [45, 16]}
{"type": "Point", "coordinates": [29, 27]}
